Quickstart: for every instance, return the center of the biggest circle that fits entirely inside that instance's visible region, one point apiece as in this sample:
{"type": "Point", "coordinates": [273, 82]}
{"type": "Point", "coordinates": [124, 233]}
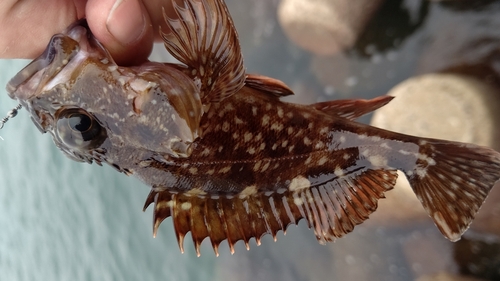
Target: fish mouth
{"type": "Point", "coordinates": [75, 43]}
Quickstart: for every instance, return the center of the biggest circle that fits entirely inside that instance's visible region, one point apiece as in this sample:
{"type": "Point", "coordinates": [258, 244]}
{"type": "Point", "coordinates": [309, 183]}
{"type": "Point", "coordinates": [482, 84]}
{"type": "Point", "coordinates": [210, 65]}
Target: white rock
{"type": "Point", "coordinates": [325, 27]}
{"type": "Point", "coordinates": [444, 106]}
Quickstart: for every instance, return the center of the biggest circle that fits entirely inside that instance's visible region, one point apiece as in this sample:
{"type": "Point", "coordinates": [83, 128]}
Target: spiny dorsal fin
{"type": "Point", "coordinates": [352, 108]}
{"type": "Point", "coordinates": [205, 39]}
{"type": "Point", "coordinates": [332, 209]}
{"type": "Point", "coordinates": [269, 85]}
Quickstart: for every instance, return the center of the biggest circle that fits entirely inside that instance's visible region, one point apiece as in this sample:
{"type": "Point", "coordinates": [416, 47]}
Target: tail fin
{"type": "Point", "coordinates": [452, 180]}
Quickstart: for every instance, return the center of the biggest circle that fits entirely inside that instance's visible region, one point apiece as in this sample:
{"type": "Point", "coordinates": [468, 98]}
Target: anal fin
{"type": "Point", "coordinates": [332, 209]}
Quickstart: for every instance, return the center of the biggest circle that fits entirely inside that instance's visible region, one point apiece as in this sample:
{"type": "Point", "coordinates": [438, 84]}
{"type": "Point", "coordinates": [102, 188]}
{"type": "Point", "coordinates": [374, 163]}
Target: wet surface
{"type": "Point", "coordinates": [63, 220]}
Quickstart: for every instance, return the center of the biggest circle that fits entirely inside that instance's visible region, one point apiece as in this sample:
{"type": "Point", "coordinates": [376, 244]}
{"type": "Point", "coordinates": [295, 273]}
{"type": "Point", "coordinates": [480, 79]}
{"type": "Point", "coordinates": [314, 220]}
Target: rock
{"type": "Point", "coordinates": [444, 276]}
{"type": "Point", "coordinates": [445, 106]}
{"type": "Point", "coordinates": [479, 256]}
{"type": "Point", "coordinates": [325, 27]}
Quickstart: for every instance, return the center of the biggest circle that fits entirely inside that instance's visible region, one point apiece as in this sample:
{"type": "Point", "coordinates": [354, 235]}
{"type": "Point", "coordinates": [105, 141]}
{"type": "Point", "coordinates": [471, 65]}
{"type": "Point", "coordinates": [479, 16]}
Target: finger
{"type": "Point", "coordinates": [123, 27]}
{"type": "Point", "coordinates": [25, 30]}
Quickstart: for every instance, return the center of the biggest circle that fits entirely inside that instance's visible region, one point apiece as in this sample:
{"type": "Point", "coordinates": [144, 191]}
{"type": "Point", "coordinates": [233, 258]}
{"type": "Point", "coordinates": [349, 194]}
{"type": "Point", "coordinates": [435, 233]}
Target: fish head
{"type": "Point", "coordinates": [98, 111]}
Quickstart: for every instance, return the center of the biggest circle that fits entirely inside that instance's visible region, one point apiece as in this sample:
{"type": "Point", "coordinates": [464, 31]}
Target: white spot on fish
{"type": "Point", "coordinates": [254, 110]}
{"type": "Point", "coordinates": [421, 172]}
{"type": "Point", "coordinates": [308, 160]}
{"type": "Point", "coordinates": [248, 191]}
{"type": "Point", "coordinates": [307, 141]}
{"type": "Point", "coordinates": [224, 170]}
{"type": "Point", "coordinates": [277, 126]}
{"type": "Point", "coordinates": [427, 159]}
{"type": "Point", "coordinates": [225, 126]}
{"type": "Point", "coordinates": [346, 156]}
{"type": "Point", "coordinates": [186, 206]}
{"type": "Point", "coordinates": [339, 172]}
{"type": "Point", "coordinates": [319, 145]}
{"type": "Point", "coordinates": [265, 167]}
{"type": "Point", "coordinates": [251, 150]}
{"type": "Point", "coordinates": [257, 165]}
{"type": "Point", "coordinates": [375, 138]}
{"type": "Point", "coordinates": [265, 120]}
{"type": "Point", "coordinates": [193, 170]}
{"type": "Point", "coordinates": [385, 145]}
{"type": "Point", "coordinates": [443, 225]}
{"type": "Point", "coordinates": [298, 201]}
{"type": "Point", "coordinates": [262, 146]}
{"type": "Point", "coordinates": [378, 160]}
{"type": "Point", "coordinates": [258, 137]}
{"type": "Point", "coordinates": [342, 139]}
{"type": "Point", "coordinates": [247, 136]}
{"type": "Point", "coordinates": [322, 160]}
{"type": "Point", "coordinates": [196, 192]}
{"type": "Point", "coordinates": [164, 205]}
{"type": "Point", "coordinates": [238, 120]}
{"type": "Point", "coordinates": [280, 112]}
{"type": "Point", "coordinates": [299, 183]}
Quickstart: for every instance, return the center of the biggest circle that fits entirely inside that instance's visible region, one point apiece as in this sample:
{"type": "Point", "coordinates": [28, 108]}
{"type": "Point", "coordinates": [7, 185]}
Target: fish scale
{"type": "Point", "coordinates": [225, 158]}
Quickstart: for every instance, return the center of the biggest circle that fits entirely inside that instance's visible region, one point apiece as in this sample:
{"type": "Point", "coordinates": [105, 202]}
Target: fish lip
{"type": "Point", "coordinates": [31, 69]}
{"type": "Point", "coordinates": [61, 48]}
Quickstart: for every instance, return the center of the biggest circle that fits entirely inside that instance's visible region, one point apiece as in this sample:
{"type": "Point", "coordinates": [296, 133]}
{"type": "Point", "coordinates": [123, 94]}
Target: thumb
{"type": "Point", "coordinates": [123, 27]}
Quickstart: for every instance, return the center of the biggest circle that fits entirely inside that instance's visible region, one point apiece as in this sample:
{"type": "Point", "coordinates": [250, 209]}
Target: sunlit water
{"type": "Point", "coordinates": [62, 220]}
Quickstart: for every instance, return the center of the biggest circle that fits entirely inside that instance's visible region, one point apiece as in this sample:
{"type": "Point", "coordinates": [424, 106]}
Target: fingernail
{"type": "Point", "coordinates": [126, 21]}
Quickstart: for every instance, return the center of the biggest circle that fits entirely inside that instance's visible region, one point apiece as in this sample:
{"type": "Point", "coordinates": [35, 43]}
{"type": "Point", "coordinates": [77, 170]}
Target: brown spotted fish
{"type": "Point", "coordinates": [225, 158]}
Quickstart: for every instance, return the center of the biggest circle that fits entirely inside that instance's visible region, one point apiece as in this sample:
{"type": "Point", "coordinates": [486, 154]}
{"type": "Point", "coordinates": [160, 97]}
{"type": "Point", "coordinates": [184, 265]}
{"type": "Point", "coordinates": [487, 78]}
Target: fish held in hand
{"type": "Point", "coordinates": [225, 158]}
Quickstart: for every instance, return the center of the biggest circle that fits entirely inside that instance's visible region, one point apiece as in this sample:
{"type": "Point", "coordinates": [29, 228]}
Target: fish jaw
{"type": "Point", "coordinates": [63, 54]}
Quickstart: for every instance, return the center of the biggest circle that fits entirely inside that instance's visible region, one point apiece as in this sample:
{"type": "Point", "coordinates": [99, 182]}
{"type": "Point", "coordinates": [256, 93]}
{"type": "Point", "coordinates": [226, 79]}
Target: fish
{"type": "Point", "coordinates": [224, 156]}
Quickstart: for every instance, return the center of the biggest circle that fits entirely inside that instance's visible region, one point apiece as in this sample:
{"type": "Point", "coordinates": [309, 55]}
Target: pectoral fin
{"type": "Point", "coordinates": [205, 39]}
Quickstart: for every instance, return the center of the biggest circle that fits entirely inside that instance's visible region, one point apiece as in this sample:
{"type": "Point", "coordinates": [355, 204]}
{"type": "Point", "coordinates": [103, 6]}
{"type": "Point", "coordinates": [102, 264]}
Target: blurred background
{"type": "Point", "coordinates": [62, 220]}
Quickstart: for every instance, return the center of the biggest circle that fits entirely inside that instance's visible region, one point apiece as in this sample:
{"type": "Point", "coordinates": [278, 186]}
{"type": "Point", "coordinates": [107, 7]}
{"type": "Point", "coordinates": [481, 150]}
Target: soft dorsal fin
{"type": "Point", "coordinates": [352, 108]}
{"type": "Point", "coordinates": [205, 39]}
{"type": "Point", "coordinates": [268, 85]}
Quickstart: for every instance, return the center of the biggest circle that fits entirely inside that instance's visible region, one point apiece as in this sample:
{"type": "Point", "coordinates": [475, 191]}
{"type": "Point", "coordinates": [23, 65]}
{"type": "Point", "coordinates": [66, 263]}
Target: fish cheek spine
{"type": "Point", "coordinates": [154, 108]}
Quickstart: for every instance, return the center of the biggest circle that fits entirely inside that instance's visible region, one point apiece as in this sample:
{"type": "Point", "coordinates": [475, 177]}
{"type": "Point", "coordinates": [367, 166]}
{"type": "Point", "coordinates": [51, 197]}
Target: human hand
{"type": "Point", "coordinates": [127, 28]}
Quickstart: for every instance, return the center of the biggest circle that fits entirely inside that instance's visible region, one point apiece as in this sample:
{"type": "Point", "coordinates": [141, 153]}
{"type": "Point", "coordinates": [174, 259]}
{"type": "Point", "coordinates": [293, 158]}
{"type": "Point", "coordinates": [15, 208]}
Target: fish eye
{"type": "Point", "coordinates": [79, 122]}
{"type": "Point", "coordinates": [77, 128]}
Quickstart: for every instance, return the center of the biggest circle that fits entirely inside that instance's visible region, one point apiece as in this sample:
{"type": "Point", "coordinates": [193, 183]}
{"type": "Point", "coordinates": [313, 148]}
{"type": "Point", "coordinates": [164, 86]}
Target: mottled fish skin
{"type": "Point", "coordinates": [225, 158]}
